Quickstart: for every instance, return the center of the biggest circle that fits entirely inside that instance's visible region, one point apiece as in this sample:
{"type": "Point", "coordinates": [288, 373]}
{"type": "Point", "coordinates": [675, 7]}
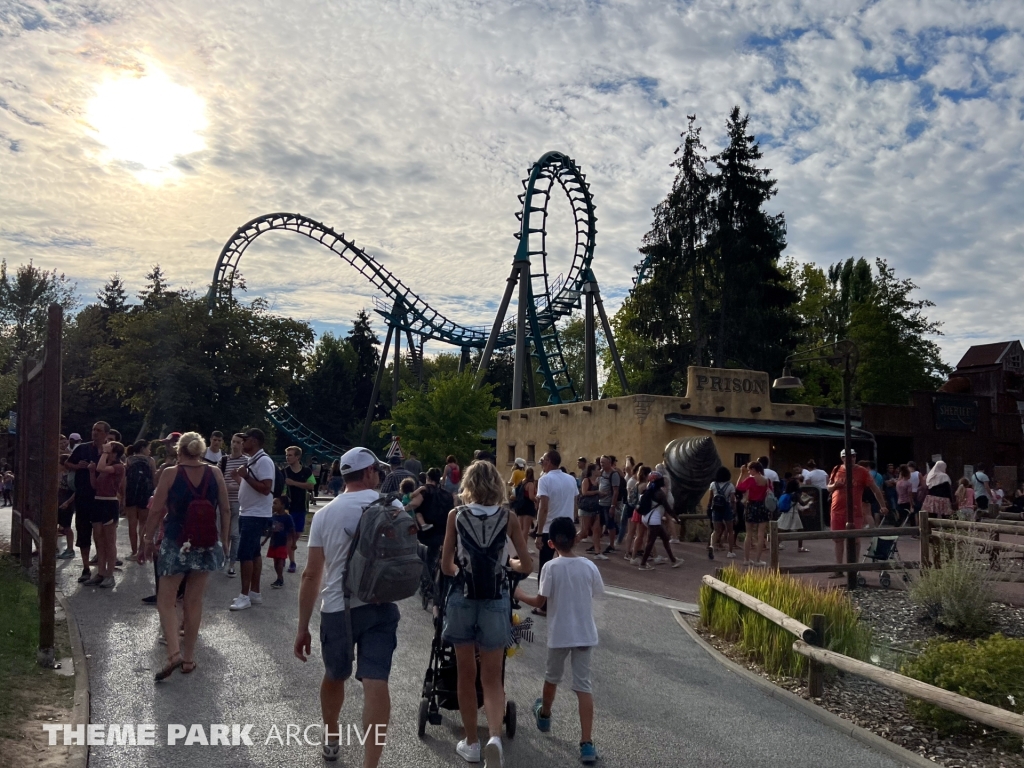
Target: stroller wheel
{"type": "Point", "coordinates": [421, 725]}
{"type": "Point", "coordinates": [510, 719]}
{"type": "Point", "coordinates": [861, 581]}
{"type": "Point", "coordinates": [885, 580]}
{"type": "Point", "coordinates": [906, 579]}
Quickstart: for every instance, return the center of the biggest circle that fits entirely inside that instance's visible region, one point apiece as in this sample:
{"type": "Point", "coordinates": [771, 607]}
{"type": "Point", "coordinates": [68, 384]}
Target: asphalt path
{"type": "Point", "coordinates": [660, 699]}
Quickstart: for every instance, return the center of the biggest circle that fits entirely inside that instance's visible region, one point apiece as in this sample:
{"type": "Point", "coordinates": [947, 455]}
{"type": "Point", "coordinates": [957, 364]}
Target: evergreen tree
{"type": "Point", "coordinates": [363, 342]}
{"type": "Point", "coordinates": [155, 291]}
{"type": "Point", "coordinates": [113, 297]}
{"type": "Point", "coordinates": [25, 298]}
{"type": "Point", "coordinates": [756, 325]}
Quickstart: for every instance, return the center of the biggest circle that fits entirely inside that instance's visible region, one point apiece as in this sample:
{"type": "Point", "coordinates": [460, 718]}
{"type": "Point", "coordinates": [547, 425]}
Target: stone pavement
{"type": "Point", "coordinates": [660, 700]}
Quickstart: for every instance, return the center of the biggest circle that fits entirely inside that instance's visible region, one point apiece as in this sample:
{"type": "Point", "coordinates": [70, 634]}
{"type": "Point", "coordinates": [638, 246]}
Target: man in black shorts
{"type": "Point", "coordinates": [85, 496]}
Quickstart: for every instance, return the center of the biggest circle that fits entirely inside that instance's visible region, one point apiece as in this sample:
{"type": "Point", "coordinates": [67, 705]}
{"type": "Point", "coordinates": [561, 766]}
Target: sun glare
{"type": "Point", "coordinates": [146, 123]}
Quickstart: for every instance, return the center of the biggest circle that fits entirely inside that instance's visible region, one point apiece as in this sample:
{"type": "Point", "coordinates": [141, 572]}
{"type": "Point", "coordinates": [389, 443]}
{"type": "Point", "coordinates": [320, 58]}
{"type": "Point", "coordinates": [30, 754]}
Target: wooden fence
{"type": "Point", "coordinates": [983, 535]}
{"type": "Point", "coordinates": [811, 643]}
{"type": "Point", "coordinates": [34, 518]}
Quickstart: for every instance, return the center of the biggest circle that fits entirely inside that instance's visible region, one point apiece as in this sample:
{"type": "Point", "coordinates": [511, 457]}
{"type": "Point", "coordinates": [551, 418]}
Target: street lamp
{"type": "Point", "coordinates": [843, 353]}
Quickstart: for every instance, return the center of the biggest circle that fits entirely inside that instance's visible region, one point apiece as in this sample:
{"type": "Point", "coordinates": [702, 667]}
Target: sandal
{"type": "Point", "coordinates": [169, 668]}
{"type": "Point", "coordinates": [190, 670]}
{"type": "Point", "coordinates": [539, 612]}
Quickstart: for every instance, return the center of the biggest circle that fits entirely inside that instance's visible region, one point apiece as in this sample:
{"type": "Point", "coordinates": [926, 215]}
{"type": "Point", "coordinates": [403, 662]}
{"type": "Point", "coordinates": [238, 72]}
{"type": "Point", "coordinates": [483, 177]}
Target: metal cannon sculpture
{"type": "Point", "coordinates": [691, 463]}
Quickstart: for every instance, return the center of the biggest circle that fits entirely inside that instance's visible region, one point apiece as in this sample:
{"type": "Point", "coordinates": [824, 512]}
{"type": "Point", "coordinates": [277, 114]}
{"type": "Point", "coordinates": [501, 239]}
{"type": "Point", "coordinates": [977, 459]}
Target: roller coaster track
{"type": "Point", "coordinates": [309, 441]}
{"type": "Point", "coordinates": [550, 299]}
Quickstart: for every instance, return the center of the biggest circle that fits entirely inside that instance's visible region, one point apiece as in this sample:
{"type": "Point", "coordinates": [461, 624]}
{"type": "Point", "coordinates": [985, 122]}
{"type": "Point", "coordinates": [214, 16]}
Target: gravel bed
{"type": "Point", "coordinates": [898, 631]}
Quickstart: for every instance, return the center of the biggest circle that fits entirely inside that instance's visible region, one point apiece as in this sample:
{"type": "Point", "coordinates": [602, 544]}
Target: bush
{"type": "Point", "coordinates": [772, 645]}
{"type": "Point", "coordinates": [957, 596]}
{"type": "Point", "coordinates": [991, 671]}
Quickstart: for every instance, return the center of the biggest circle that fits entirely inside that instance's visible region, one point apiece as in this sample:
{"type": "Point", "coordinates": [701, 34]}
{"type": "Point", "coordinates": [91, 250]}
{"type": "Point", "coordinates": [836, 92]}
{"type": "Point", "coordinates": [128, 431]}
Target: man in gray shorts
{"type": "Point", "coordinates": [374, 627]}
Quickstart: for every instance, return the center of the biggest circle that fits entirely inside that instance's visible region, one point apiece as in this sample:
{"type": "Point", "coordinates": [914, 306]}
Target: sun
{"type": "Point", "coordinates": [147, 123]}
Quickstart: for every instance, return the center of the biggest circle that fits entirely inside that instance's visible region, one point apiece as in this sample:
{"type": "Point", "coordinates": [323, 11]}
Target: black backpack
{"type": "Point", "coordinates": [720, 504]}
{"type": "Point", "coordinates": [482, 569]}
{"type": "Point", "coordinates": [519, 495]}
{"type": "Point", "coordinates": [138, 481]}
{"type": "Point", "coordinates": [279, 489]}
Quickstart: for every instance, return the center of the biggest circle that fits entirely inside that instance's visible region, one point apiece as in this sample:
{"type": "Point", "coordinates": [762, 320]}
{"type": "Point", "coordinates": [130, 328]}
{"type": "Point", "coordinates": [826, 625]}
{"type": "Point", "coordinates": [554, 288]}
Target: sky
{"type": "Point", "coordinates": [135, 133]}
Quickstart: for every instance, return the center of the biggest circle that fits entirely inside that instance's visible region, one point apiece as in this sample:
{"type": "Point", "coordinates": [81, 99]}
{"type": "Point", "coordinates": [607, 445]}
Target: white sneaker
{"type": "Point", "coordinates": [468, 752]}
{"type": "Point", "coordinates": [240, 603]}
{"type": "Point", "coordinates": [673, 541]}
{"type": "Point", "coordinates": [600, 556]}
{"type": "Point", "coordinates": [731, 555]}
{"type": "Point", "coordinates": [585, 541]}
{"type": "Point", "coordinates": [660, 560]}
{"type": "Point", "coordinates": [760, 564]}
{"type": "Point", "coordinates": [635, 561]}
{"type": "Point", "coordinates": [255, 598]}
{"type": "Point", "coordinates": [492, 753]}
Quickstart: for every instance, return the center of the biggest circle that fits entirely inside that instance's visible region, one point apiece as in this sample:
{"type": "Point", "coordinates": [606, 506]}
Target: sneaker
{"type": "Point", "coordinates": [86, 575]}
{"type": "Point", "coordinates": [67, 554]}
{"type": "Point", "coordinates": [609, 549]}
{"type": "Point", "coordinates": [678, 562]}
{"type": "Point", "coordinates": [426, 526]}
{"type": "Point", "coordinates": [291, 568]}
{"type": "Point", "coordinates": [95, 559]}
{"type": "Point", "coordinates": [492, 753]}
{"type": "Point", "coordinates": [590, 550]}
{"type": "Point", "coordinates": [543, 723]}
{"type": "Point", "coordinates": [711, 553]}
{"type": "Point", "coordinates": [585, 541]}
{"type": "Point", "coordinates": [759, 563]}
{"type": "Point", "coordinates": [95, 580]}
{"type": "Point", "coordinates": [331, 751]}
{"type": "Point", "coordinates": [635, 561]}
{"type": "Point", "coordinates": [231, 573]}
{"type": "Point", "coordinates": [731, 555]}
{"type": "Point", "coordinates": [240, 603]}
{"type": "Point", "coordinates": [107, 583]}
{"type": "Point", "coordinates": [588, 753]}
{"type": "Point", "coordinates": [674, 541]}
{"type": "Point", "coordinates": [647, 567]}
{"type": "Point", "coordinates": [255, 598]}
{"type": "Point", "coordinates": [468, 752]}
{"type": "Point", "coordinates": [118, 564]}
{"type": "Point", "coordinates": [599, 556]}
{"type": "Point", "coordinates": [151, 600]}
{"type": "Point", "coordinates": [659, 560]}
{"type": "Point", "coordinates": [277, 584]}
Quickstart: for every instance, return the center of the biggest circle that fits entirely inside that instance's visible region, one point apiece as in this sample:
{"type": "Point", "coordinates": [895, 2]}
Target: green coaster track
{"type": "Point", "coordinates": [549, 298]}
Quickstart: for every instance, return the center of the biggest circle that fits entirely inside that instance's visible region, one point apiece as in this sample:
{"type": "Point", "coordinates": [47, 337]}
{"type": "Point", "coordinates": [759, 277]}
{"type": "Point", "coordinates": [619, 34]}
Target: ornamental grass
{"type": "Point", "coordinates": [769, 644]}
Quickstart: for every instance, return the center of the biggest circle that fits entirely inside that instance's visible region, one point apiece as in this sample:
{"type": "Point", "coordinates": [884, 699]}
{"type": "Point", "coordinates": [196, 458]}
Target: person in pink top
{"type": "Point", "coordinates": [755, 486]}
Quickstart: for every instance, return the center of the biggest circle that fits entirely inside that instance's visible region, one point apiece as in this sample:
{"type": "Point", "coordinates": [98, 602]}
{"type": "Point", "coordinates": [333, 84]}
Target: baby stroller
{"type": "Point", "coordinates": [441, 681]}
{"type": "Point", "coordinates": [882, 549]}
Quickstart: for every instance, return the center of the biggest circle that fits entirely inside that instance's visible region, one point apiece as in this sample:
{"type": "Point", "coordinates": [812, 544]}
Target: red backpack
{"type": "Point", "coordinates": [200, 525]}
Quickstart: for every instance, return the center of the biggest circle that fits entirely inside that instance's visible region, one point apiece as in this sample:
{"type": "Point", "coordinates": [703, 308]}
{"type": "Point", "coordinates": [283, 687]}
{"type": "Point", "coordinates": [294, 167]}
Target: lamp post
{"type": "Point", "coordinates": [845, 354]}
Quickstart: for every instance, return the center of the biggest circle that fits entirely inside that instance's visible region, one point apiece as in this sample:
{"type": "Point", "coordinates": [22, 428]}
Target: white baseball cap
{"type": "Point", "coordinates": [520, 462]}
{"type": "Point", "coordinates": [842, 453]}
{"type": "Point", "coordinates": [356, 459]}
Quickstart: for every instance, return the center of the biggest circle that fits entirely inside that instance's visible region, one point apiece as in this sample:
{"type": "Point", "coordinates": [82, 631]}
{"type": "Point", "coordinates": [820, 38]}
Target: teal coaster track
{"type": "Point", "coordinates": [544, 299]}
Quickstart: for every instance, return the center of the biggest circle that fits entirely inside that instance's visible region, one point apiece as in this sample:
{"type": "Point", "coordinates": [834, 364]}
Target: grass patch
{"type": "Point", "coordinates": [771, 645]}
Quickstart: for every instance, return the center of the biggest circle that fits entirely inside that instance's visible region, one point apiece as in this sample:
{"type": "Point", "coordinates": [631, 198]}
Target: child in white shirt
{"type": "Point", "coordinates": [569, 583]}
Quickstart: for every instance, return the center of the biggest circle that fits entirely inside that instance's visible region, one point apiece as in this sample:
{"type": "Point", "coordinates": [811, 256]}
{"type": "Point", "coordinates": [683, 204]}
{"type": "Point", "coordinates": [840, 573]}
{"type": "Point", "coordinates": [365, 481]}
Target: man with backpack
{"type": "Point", "coordinates": [256, 480]}
{"type": "Point", "coordinates": [349, 626]}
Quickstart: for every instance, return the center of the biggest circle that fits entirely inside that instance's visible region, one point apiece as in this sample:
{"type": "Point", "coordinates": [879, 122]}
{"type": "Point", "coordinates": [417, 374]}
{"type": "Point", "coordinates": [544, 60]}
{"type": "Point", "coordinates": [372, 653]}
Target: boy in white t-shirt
{"type": "Point", "coordinates": [569, 583]}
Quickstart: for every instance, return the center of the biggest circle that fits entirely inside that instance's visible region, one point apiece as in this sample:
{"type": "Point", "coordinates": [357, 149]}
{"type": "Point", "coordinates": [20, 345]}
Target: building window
{"type": "Point", "coordinates": [512, 453]}
{"type": "Point", "coordinates": [740, 459]}
{"type": "Point", "coordinates": [552, 446]}
{"type": "Point", "coordinates": [1014, 362]}
{"type": "Point", "coordinates": [531, 453]}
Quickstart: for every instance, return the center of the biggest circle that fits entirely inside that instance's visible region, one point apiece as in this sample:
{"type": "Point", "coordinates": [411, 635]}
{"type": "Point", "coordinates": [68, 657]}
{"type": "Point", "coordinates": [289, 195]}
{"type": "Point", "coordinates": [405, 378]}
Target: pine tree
{"type": "Point", "coordinates": [364, 343]}
{"type": "Point", "coordinates": [756, 324]}
{"type": "Point", "coordinates": [113, 297]}
{"type": "Point", "coordinates": [155, 293]}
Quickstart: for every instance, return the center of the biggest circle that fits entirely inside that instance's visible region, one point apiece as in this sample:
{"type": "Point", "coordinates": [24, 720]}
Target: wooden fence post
{"type": "Point", "coordinates": [773, 543]}
{"type": "Point", "coordinates": [925, 534]}
{"type": "Point", "coordinates": [815, 669]}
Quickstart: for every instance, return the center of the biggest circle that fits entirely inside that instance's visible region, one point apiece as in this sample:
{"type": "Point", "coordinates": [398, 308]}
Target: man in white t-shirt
{"type": "Point", "coordinates": [255, 508]}
{"type": "Point", "coordinates": [556, 497]}
{"type": "Point", "coordinates": [815, 476]}
{"type": "Point", "coordinates": [769, 473]}
{"type": "Point", "coordinates": [215, 451]}
{"type": "Point", "coordinates": [374, 627]}
{"type": "Point", "coordinates": [982, 489]}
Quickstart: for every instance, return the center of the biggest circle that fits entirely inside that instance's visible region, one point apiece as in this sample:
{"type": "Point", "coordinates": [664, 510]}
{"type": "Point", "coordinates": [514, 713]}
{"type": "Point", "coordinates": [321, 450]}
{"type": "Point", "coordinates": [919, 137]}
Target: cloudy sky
{"type": "Point", "coordinates": [140, 132]}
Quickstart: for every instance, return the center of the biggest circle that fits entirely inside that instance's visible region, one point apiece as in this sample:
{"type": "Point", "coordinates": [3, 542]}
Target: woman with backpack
{"type": "Point", "coordinates": [452, 475]}
{"type": "Point", "coordinates": [653, 508]}
{"type": "Point", "coordinates": [192, 514]}
{"type": "Point", "coordinates": [722, 509]}
{"type": "Point", "coordinates": [138, 488]}
{"type": "Point", "coordinates": [478, 616]}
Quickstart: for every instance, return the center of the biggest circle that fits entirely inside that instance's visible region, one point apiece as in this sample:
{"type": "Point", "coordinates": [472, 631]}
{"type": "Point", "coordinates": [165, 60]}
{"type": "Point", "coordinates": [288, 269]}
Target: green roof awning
{"type": "Point", "coordinates": [757, 428]}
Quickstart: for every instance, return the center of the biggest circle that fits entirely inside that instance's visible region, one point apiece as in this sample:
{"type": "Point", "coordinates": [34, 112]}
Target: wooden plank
{"type": "Point", "coordinates": [772, 614]}
{"type": "Point", "coordinates": [954, 702]}
{"type": "Point", "coordinates": [989, 543]}
{"type": "Point", "coordinates": [1008, 528]}
{"type": "Point", "coordinates": [884, 565]}
{"type": "Point", "coordinates": [924, 524]}
{"type": "Point", "coordinates": [773, 544]}
{"type": "Point", "coordinates": [815, 669]}
{"type": "Point", "coordinates": [856, 533]}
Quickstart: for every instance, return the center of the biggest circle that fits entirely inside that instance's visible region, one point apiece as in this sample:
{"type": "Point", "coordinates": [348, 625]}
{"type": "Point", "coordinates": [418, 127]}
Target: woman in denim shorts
{"type": "Point", "coordinates": [475, 626]}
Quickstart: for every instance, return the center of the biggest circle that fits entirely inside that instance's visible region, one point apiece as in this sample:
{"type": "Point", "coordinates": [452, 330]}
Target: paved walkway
{"type": "Point", "coordinates": [661, 701]}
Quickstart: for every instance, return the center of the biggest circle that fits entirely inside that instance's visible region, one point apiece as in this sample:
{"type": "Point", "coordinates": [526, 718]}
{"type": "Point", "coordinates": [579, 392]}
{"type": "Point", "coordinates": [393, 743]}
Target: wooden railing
{"type": "Point", "coordinates": [775, 537]}
{"type": "Point", "coordinates": [812, 646]}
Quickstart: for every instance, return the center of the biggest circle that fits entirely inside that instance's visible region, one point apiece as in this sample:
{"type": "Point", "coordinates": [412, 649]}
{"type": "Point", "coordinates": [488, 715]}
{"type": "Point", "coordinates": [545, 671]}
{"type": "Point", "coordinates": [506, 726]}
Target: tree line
{"type": "Point", "coordinates": [715, 291]}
